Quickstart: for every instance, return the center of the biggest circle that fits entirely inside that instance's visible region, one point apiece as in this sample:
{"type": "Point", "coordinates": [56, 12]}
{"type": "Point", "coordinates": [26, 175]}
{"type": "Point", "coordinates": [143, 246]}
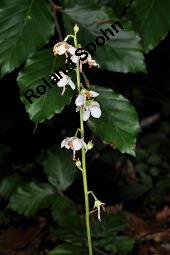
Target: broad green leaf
{"type": "Point", "coordinates": [118, 124]}
{"type": "Point", "coordinates": [59, 168]}
{"type": "Point", "coordinates": [123, 244]}
{"type": "Point", "coordinates": [119, 6]}
{"type": "Point", "coordinates": [65, 213]}
{"type": "Point", "coordinates": [151, 18]}
{"type": "Point", "coordinates": [9, 184]}
{"type": "Point", "coordinates": [120, 53]}
{"type": "Point", "coordinates": [30, 198]}
{"type": "Point", "coordinates": [132, 191]}
{"type": "Point", "coordinates": [67, 249]}
{"type": "Point", "coordinates": [25, 26]}
{"type": "Point", "coordinates": [38, 67]}
{"type": "Point", "coordinates": [111, 223]}
{"type": "Point", "coordinates": [106, 234]}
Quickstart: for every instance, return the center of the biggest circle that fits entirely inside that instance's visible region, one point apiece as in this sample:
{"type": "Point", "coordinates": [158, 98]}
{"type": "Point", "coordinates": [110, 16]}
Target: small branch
{"type": "Point", "coordinates": [86, 79]}
{"type": "Point", "coordinates": [150, 120]}
{"type": "Point", "coordinates": [35, 128]}
{"type": "Point", "coordinates": [100, 252]}
{"type": "Point", "coordinates": [56, 8]}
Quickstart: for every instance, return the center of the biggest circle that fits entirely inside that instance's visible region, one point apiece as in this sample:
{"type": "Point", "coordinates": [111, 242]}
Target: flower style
{"type": "Point", "coordinates": [65, 81]}
{"type": "Point", "coordinates": [73, 143]}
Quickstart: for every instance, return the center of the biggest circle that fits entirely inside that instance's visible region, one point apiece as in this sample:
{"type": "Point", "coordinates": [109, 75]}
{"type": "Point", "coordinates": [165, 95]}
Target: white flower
{"type": "Point", "coordinates": [97, 207]}
{"type": "Point", "coordinates": [91, 62]}
{"type": "Point", "coordinates": [85, 94]}
{"type": "Point", "coordinates": [61, 48]}
{"type": "Point", "coordinates": [73, 143]}
{"type": "Point", "coordinates": [71, 50]}
{"type": "Point", "coordinates": [74, 59]}
{"type": "Point", "coordinates": [93, 109]}
{"type": "Point", "coordinates": [65, 81]}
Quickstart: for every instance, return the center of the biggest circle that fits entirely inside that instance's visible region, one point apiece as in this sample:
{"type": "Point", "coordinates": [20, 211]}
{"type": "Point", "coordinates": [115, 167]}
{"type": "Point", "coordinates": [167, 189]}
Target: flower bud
{"type": "Point", "coordinates": [90, 145]}
{"type": "Point", "coordinates": [76, 28]}
{"type": "Point", "coordinates": [78, 163]}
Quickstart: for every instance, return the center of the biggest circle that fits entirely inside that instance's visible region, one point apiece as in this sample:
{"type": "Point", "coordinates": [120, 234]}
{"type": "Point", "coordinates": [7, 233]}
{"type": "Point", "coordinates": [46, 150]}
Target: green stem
{"type": "Point", "coordinates": [84, 172]}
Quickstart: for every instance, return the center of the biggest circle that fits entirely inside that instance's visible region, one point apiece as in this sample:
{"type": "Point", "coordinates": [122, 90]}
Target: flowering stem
{"type": "Point", "coordinates": [84, 173]}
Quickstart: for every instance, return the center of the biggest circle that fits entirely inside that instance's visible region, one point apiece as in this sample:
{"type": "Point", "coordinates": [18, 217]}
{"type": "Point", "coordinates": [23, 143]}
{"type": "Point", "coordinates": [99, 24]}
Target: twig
{"type": "Point", "coordinates": [60, 36]}
{"type": "Point", "coordinates": [150, 120]}
{"type": "Point", "coordinates": [35, 128]}
{"type": "Point", "coordinates": [86, 79]}
{"type": "Point", "coordinates": [99, 251]}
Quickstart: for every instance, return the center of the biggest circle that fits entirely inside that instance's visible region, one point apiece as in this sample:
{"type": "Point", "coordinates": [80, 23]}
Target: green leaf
{"type": "Point", "coordinates": [151, 20]}
{"type": "Point", "coordinates": [110, 224]}
{"type": "Point", "coordinates": [37, 67]}
{"type": "Point", "coordinates": [105, 234]}
{"type": "Point", "coordinates": [30, 198]}
{"type": "Point", "coordinates": [120, 53]}
{"type": "Point", "coordinates": [119, 6]}
{"type": "Point", "coordinates": [132, 191]}
{"type": "Point", "coordinates": [59, 168]}
{"type": "Point", "coordinates": [25, 26]}
{"type": "Point", "coordinates": [123, 244]}
{"type": "Point", "coordinates": [118, 124]}
{"type": "Point", "coordinates": [65, 213]}
{"type": "Point", "coordinates": [8, 185]}
{"type": "Point", "coordinates": [67, 249]}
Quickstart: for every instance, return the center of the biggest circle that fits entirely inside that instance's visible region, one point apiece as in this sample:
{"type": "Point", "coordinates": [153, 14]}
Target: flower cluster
{"type": "Point", "coordinates": [84, 102]}
{"type": "Point", "coordinates": [76, 55]}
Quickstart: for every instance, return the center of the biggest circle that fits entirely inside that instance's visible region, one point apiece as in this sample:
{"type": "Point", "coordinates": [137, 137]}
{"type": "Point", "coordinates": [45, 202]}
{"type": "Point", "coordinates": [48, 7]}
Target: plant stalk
{"type": "Point", "coordinates": [84, 172]}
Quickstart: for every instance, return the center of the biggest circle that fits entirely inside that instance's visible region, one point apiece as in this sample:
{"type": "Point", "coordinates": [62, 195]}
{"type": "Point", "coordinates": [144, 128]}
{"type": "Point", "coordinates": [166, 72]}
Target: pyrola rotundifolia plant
{"type": "Point", "coordinates": [108, 114]}
{"type": "Point", "coordinates": [87, 107]}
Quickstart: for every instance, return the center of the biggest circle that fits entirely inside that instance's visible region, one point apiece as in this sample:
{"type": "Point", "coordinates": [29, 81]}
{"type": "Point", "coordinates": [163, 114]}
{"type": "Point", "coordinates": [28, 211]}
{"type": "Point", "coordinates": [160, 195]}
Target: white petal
{"type": "Point", "coordinates": [71, 83]}
{"type": "Point", "coordinates": [62, 82]}
{"type": "Point", "coordinates": [80, 100]}
{"type": "Point", "coordinates": [63, 143]}
{"type": "Point", "coordinates": [77, 144]}
{"type": "Point", "coordinates": [71, 50]}
{"type": "Point", "coordinates": [86, 114]}
{"type": "Point", "coordinates": [85, 145]}
{"type": "Point", "coordinates": [93, 93]}
{"type": "Point", "coordinates": [74, 58]}
{"type": "Point", "coordinates": [95, 110]}
{"type": "Point", "coordinates": [77, 109]}
{"type": "Point", "coordinates": [68, 141]}
{"type": "Point", "coordinates": [59, 48]}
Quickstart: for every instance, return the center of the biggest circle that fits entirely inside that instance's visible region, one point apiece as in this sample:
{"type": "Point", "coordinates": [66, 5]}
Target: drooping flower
{"type": "Point", "coordinates": [85, 94]}
{"type": "Point", "coordinates": [91, 62]}
{"type": "Point", "coordinates": [97, 207]}
{"type": "Point", "coordinates": [61, 48]}
{"type": "Point", "coordinates": [64, 82]}
{"type": "Point", "coordinates": [73, 143]}
{"type": "Point", "coordinates": [91, 108]}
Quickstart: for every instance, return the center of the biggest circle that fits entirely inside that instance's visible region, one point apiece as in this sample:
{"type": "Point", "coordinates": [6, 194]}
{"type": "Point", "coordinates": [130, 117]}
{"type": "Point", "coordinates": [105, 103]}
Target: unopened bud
{"type": "Point", "coordinates": [76, 28]}
{"type": "Point", "coordinates": [90, 145]}
{"type": "Point", "coordinates": [78, 163]}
